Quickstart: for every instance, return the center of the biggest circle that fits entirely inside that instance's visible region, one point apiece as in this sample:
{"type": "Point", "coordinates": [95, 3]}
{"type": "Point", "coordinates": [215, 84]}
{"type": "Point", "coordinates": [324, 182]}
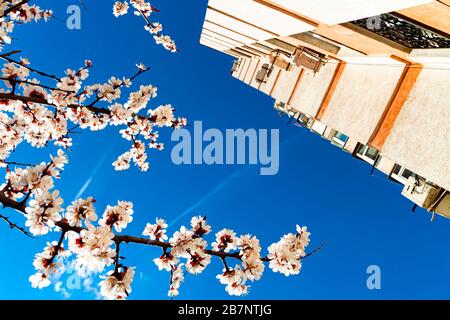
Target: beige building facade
{"type": "Point", "coordinates": [371, 76]}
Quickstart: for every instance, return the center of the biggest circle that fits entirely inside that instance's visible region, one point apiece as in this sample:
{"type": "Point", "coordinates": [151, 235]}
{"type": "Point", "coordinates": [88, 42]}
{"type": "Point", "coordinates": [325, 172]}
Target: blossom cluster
{"type": "Point", "coordinates": [285, 255]}
{"type": "Point", "coordinates": [35, 109]}
{"type": "Point", "coordinates": [145, 9]}
{"type": "Point", "coordinates": [40, 115]}
{"type": "Point", "coordinates": [188, 244]}
{"type": "Point", "coordinates": [17, 12]}
{"type": "Point", "coordinates": [33, 186]}
{"type": "Point", "coordinates": [96, 247]}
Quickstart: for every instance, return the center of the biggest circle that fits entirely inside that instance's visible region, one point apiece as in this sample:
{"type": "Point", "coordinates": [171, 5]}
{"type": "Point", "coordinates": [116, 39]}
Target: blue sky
{"type": "Point", "coordinates": [364, 219]}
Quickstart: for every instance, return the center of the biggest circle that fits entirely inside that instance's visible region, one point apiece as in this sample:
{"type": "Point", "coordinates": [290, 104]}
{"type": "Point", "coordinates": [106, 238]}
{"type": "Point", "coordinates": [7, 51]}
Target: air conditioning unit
{"type": "Point", "coordinates": [280, 63]}
{"type": "Point", "coordinates": [235, 66]}
{"type": "Point", "coordinates": [307, 58]}
{"type": "Point", "coordinates": [420, 192]}
{"type": "Point", "coordinates": [264, 73]}
{"type": "Point", "coordinates": [277, 60]}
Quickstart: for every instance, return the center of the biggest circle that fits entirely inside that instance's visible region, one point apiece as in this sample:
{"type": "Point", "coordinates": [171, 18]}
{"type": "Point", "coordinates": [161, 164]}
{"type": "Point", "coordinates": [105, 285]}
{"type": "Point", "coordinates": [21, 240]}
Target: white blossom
{"type": "Point", "coordinates": [81, 210]}
{"type": "Point", "coordinates": [120, 8]}
{"type": "Point", "coordinates": [156, 231]}
{"type": "Point", "coordinates": [225, 240]}
{"type": "Point", "coordinates": [117, 286]}
{"type": "Point", "coordinates": [118, 216]}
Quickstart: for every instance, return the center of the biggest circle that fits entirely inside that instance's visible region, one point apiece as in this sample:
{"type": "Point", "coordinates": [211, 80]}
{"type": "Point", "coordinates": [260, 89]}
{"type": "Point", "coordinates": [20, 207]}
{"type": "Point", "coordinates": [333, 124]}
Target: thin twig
{"type": "Point", "coordinates": [13, 163]}
{"type": "Point", "coordinates": [7, 58]}
{"type": "Point", "coordinates": [13, 225]}
{"type": "Point", "coordinates": [35, 84]}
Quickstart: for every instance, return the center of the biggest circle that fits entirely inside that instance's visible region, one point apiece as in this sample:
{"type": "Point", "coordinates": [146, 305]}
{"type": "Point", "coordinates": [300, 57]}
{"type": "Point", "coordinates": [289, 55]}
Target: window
{"type": "Point", "coordinates": [402, 174]}
{"type": "Point", "coordinates": [339, 139]}
{"type": "Point", "coordinates": [302, 120]}
{"type": "Point", "coordinates": [407, 174]}
{"type": "Point", "coordinates": [396, 170]}
{"type": "Point", "coordinates": [367, 153]}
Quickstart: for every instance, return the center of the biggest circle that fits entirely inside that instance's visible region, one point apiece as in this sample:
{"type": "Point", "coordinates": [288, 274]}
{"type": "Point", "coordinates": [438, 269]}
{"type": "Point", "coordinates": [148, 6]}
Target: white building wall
{"type": "Point", "coordinates": [420, 139]}
{"type": "Point", "coordinates": [311, 92]}
{"type": "Point", "coordinates": [362, 95]}
{"type": "Point", "coordinates": [254, 63]}
{"type": "Point", "coordinates": [286, 83]}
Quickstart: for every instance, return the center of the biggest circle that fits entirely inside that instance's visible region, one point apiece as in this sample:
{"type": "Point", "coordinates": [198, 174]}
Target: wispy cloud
{"type": "Point", "coordinates": [222, 185]}
{"type": "Point", "coordinates": [94, 172]}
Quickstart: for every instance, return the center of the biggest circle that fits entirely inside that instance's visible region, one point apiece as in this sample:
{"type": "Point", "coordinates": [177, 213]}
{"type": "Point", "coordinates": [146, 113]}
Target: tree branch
{"type": "Point", "coordinates": [14, 7]}
{"type": "Point", "coordinates": [118, 239]}
{"type": "Point", "coordinates": [7, 58]}
{"type": "Point", "coordinates": [13, 225]}
{"type": "Point", "coordinates": [91, 107]}
{"type": "Point", "coordinates": [13, 163]}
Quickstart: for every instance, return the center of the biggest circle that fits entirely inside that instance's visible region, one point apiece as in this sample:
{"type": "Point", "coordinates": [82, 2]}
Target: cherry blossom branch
{"type": "Point", "coordinates": [91, 107]}
{"type": "Point", "coordinates": [84, 113]}
{"type": "Point", "coordinates": [65, 227]}
{"type": "Point", "coordinates": [14, 81]}
{"type": "Point", "coordinates": [14, 8]}
{"type": "Point", "coordinates": [144, 9]}
{"type": "Point", "coordinates": [39, 100]}
{"type": "Point", "coordinates": [145, 18]}
{"type": "Point", "coordinates": [106, 111]}
{"type": "Point", "coordinates": [30, 192]}
{"type": "Point", "coordinates": [6, 57]}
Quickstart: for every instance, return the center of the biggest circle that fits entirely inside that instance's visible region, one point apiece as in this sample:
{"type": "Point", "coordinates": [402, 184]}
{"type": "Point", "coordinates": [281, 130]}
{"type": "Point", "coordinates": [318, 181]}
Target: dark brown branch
{"type": "Point", "coordinates": [13, 225]}
{"type": "Point", "coordinates": [14, 81]}
{"type": "Point", "coordinates": [58, 247]}
{"type": "Point", "coordinates": [13, 163]}
{"type": "Point", "coordinates": [146, 18]}
{"type": "Point", "coordinates": [314, 251]}
{"type": "Point", "coordinates": [10, 96]}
